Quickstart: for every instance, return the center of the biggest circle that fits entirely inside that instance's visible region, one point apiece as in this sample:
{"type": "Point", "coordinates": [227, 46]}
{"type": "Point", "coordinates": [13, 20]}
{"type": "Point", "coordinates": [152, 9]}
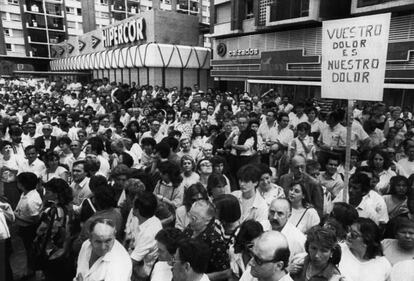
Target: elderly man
{"type": "Point", "coordinates": [279, 213]}
{"type": "Point", "coordinates": [102, 257]}
{"type": "Point", "coordinates": [270, 257]}
{"type": "Point", "coordinates": [202, 226]}
{"type": "Point", "coordinates": [190, 261]}
{"type": "Point", "coordinates": [298, 175]}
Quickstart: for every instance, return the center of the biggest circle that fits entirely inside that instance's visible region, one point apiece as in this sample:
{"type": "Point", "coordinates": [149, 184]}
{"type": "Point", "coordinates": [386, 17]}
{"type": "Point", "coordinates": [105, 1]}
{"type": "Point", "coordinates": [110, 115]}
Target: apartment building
{"type": "Point", "coordinates": [276, 44]}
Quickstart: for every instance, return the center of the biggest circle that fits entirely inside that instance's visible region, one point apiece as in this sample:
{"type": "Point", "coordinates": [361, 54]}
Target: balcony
{"type": "Point", "coordinates": [33, 9]}
{"type": "Point", "coordinates": [371, 6]}
{"type": "Point", "coordinates": [118, 9]}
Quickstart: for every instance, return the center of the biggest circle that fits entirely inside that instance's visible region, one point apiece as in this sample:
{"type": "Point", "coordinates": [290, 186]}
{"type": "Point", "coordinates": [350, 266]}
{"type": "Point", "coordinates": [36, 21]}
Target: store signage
{"type": "Point", "coordinates": [127, 32]}
{"type": "Point", "coordinates": [70, 48]}
{"type": "Point", "coordinates": [81, 45]}
{"type": "Point", "coordinates": [95, 42]}
{"type": "Point", "coordinates": [243, 52]}
{"type": "Point", "coordinates": [221, 49]}
{"type": "Point", "coordinates": [354, 54]}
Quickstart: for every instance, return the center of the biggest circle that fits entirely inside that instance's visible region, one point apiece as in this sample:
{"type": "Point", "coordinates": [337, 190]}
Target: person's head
{"type": "Point", "coordinates": [27, 181]}
{"type": "Point", "coordinates": [148, 145]}
{"type": "Point", "coordinates": [190, 260]}
{"type": "Point", "coordinates": [399, 186]}
{"type": "Point", "coordinates": [279, 213]}
{"type": "Point", "coordinates": [298, 194]}
{"type": "Point", "coordinates": [155, 126]}
{"type": "Point", "coordinates": [162, 150]}
{"type": "Point", "coordinates": [31, 153]}
{"type": "Point", "coordinates": [270, 254]}
{"type": "Point", "coordinates": [322, 247]}
{"type": "Point", "coordinates": [207, 150]}
{"type": "Point", "coordinates": [96, 145]}
{"type": "Point", "coordinates": [145, 205]}
{"type": "Point", "coordinates": [303, 129]}
{"type": "Point", "coordinates": [205, 167]}
{"type": "Point", "coordinates": [202, 212]}
{"type": "Point", "coordinates": [75, 147]}
{"type": "Point", "coordinates": [170, 173]}
{"type": "Point", "coordinates": [265, 183]}
{"type": "Point", "coordinates": [52, 160]}
{"type": "Point", "coordinates": [102, 236]}
{"type": "Point", "coordinates": [120, 174]}
{"type": "Point", "coordinates": [79, 171]}
{"type": "Point", "coordinates": [249, 177]}
{"type": "Point", "coordinates": [167, 242]}
{"type": "Point", "coordinates": [404, 233]}
{"type": "Point", "coordinates": [218, 164]}
{"type": "Point", "coordinates": [187, 164]}
{"type": "Point", "coordinates": [132, 188]}
{"type": "Point", "coordinates": [379, 159]}
{"type": "Point", "coordinates": [409, 151]}
{"type": "Point", "coordinates": [313, 168]}
{"type": "Point", "coordinates": [104, 197]}
{"type": "Point", "coordinates": [64, 143]}
{"type": "Point", "coordinates": [194, 193]}
{"type": "Point", "coordinates": [6, 148]}
{"type": "Point", "coordinates": [16, 134]}
{"type": "Point", "coordinates": [228, 211]}
{"type": "Point", "coordinates": [365, 237]}
{"type": "Point", "coordinates": [334, 118]}
{"type": "Point", "coordinates": [359, 186]}
{"type": "Point", "coordinates": [344, 213]}
{"type": "Point", "coordinates": [332, 165]}
{"type": "Point", "coordinates": [270, 116]}
{"type": "Point", "coordinates": [298, 166]}
{"type": "Point", "coordinates": [283, 119]}
{"type": "Point", "coordinates": [249, 230]}
{"type": "Point", "coordinates": [243, 123]}
{"type": "Point", "coordinates": [334, 225]}
{"type": "Point", "coordinates": [216, 184]}
{"type": "Point", "coordinates": [47, 130]}
{"type": "Point", "coordinates": [97, 182]}
{"type": "Point", "coordinates": [185, 144]}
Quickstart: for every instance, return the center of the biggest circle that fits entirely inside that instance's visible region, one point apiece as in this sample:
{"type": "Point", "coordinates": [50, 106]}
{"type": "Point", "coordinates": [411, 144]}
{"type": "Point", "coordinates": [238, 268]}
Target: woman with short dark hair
{"type": "Point", "coordinates": [396, 200]}
{"type": "Point", "coordinates": [362, 256]}
{"type": "Point", "coordinates": [323, 257]}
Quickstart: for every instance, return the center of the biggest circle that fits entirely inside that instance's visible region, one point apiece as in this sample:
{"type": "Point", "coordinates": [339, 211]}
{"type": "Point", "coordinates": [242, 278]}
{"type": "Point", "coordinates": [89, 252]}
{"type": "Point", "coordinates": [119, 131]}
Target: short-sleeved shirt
{"type": "Point", "coordinates": [30, 205]}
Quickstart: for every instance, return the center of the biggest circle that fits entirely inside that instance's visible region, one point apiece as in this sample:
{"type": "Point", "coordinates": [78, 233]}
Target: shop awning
{"type": "Point", "coordinates": [146, 55]}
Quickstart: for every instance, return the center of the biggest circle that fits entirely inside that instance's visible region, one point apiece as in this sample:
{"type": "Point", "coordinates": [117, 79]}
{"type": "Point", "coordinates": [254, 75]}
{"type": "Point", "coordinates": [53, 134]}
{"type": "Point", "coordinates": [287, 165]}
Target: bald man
{"type": "Point", "coordinates": [298, 175]}
{"type": "Point", "coordinates": [279, 214]}
{"type": "Point", "coordinates": [102, 257]}
{"type": "Point", "coordinates": [270, 257]}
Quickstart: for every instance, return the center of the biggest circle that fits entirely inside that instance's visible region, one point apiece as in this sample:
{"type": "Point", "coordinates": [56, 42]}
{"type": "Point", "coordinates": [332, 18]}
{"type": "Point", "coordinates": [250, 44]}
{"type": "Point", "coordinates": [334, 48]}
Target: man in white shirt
{"type": "Point", "coordinates": [359, 186]}
{"type": "Point", "coordinates": [279, 213]}
{"type": "Point", "coordinates": [102, 257]}
{"type": "Point", "coordinates": [32, 163]}
{"type": "Point", "coordinates": [154, 132]}
{"type": "Point", "coordinates": [144, 253]}
{"type": "Point", "coordinates": [190, 261]}
{"type": "Point", "coordinates": [280, 135]}
{"type": "Point", "coordinates": [80, 184]}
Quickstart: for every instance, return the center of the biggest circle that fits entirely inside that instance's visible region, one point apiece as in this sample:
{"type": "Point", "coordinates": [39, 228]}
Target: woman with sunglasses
{"type": "Point", "coordinates": [324, 254]}
{"type": "Point", "coordinates": [362, 256]}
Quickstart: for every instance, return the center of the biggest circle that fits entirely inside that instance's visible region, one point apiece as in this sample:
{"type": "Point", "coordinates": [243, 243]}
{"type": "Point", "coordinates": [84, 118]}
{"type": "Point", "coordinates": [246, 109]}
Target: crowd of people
{"type": "Point", "coordinates": [115, 182]}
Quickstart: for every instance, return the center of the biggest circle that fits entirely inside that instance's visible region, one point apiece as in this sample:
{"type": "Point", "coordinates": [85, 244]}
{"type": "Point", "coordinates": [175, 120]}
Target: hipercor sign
{"type": "Point", "coordinates": [124, 33]}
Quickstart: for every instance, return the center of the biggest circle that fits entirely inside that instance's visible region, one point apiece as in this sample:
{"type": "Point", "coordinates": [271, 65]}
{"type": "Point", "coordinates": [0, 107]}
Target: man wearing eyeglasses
{"type": "Point", "coordinates": [270, 257]}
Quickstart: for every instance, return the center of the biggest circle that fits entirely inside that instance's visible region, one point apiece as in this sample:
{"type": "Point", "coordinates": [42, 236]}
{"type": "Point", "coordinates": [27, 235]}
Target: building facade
{"type": "Point", "coordinates": [276, 44]}
{"type": "Point", "coordinates": [152, 48]}
{"type": "Point", "coordinates": [33, 29]}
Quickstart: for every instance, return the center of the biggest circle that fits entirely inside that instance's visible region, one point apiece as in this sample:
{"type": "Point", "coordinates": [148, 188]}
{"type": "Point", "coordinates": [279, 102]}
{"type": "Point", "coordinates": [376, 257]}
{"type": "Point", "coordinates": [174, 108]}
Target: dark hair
{"type": "Point", "coordinates": [196, 253]}
{"type": "Point", "coordinates": [188, 158]}
{"type": "Point", "coordinates": [173, 171]}
{"type": "Point", "coordinates": [105, 197]}
{"type": "Point", "coordinates": [372, 237]}
{"type": "Point", "coordinates": [304, 126]}
{"type": "Point", "coordinates": [148, 141]}
{"type": "Point", "coordinates": [172, 142]}
{"type": "Point", "coordinates": [306, 195]}
{"type": "Point", "coordinates": [249, 173]}
{"type": "Point", "coordinates": [228, 208]}
{"type": "Point", "coordinates": [215, 181]}
{"type": "Point", "coordinates": [29, 147]}
{"type": "Point", "coordinates": [395, 180]}
{"type": "Point", "coordinates": [170, 237]}
{"type": "Point", "coordinates": [344, 213]}
{"type": "Point", "coordinates": [127, 159]}
{"type": "Point", "coordinates": [97, 145]}
{"type": "Point", "coordinates": [62, 189]}
{"type": "Point", "coordinates": [383, 154]}
{"type": "Point", "coordinates": [51, 156]}
{"type": "Point", "coordinates": [264, 169]}
{"type": "Point", "coordinates": [163, 148]}
{"type": "Point", "coordinates": [281, 115]}
{"type": "Point", "coordinates": [334, 225]}
{"type": "Point", "coordinates": [65, 139]}
{"type": "Point", "coordinates": [146, 203]}
{"type": "Point", "coordinates": [97, 182]}
{"type": "Point", "coordinates": [249, 230]}
{"type": "Point", "coordinates": [326, 239]}
{"type": "Point", "coordinates": [194, 189]}
{"type": "Point", "coordinates": [4, 143]}
{"type": "Point", "coordinates": [363, 180]}
{"type": "Point", "coordinates": [28, 180]}
{"type": "Point", "coordinates": [120, 170]}
{"type": "Point", "coordinates": [103, 221]}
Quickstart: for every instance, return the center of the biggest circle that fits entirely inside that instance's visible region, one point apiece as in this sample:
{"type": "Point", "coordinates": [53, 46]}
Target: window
{"type": "Point", "coordinates": [104, 15]}
{"type": "Point", "coordinates": [223, 13]}
{"type": "Point", "coordinates": [249, 9]}
{"type": "Point", "coordinates": [70, 10]}
{"type": "Point", "coordinates": [104, 2]}
{"type": "Point", "coordinates": [9, 47]}
{"type": "Point", "coordinates": [13, 2]}
{"type": "Point", "coordinates": [8, 32]}
{"type": "Point", "coordinates": [79, 11]}
{"type": "Point", "coordinates": [71, 24]}
{"type": "Point", "coordinates": [15, 17]}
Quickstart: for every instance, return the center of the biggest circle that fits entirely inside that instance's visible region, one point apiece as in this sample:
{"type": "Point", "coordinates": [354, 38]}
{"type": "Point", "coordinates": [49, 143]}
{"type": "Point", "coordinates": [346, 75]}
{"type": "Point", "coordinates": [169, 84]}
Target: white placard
{"type": "Point", "coordinates": [354, 54]}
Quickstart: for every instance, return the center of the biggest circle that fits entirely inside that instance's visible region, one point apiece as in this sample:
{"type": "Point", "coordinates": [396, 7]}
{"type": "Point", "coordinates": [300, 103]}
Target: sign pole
{"type": "Point", "coordinates": [349, 121]}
